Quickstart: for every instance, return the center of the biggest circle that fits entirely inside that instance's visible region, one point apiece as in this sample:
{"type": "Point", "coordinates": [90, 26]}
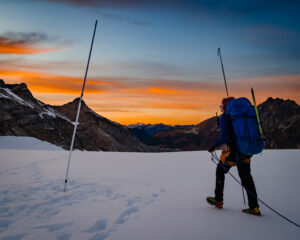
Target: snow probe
{"type": "Point", "coordinates": [78, 110]}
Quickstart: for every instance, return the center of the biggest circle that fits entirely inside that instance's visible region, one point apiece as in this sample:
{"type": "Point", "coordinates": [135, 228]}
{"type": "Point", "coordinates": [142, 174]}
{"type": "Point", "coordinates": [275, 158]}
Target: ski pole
{"type": "Point", "coordinates": [219, 54]}
{"type": "Point", "coordinates": [78, 110]}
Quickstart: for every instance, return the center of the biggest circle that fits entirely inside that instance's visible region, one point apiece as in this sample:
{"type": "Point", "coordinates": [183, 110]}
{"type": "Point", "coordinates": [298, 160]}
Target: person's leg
{"type": "Point", "coordinates": [244, 171]}
{"type": "Point", "coordinates": [220, 178]}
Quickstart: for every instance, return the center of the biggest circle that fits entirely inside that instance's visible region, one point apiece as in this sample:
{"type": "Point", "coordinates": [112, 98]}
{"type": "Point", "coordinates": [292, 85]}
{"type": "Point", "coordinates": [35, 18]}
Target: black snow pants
{"type": "Point", "coordinates": [244, 171]}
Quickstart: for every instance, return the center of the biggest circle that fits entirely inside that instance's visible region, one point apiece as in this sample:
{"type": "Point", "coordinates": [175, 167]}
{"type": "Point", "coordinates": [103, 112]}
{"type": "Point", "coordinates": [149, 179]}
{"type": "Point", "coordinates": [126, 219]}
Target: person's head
{"type": "Point", "coordinates": [224, 103]}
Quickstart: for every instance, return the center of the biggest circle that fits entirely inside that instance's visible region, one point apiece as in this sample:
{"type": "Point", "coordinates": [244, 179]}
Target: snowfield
{"type": "Point", "coordinates": [141, 196]}
{"type": "Point", "coordinates": [26, 143]}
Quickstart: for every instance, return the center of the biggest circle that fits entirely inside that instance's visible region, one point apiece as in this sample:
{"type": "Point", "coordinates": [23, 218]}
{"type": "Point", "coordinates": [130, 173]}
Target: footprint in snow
{"type": "Point", "coordinates": [14, 237]}
{"type": "Point", "coordinates": [100, 236]}
{"type": "Point", "coordinates": [125, 215]}
{"type": "Point", "coordinates": [5, 223]}
{"type": "Point", "coordinates": [54, 227]}
{"type": "Point", "coordinates": [134, 200]}
{"type": "Point", "coordinates": [155, 195]}
{"type": "Point", "coordinates": [98, 226]}
{"type": "Point", "coordinates": [63, 236]}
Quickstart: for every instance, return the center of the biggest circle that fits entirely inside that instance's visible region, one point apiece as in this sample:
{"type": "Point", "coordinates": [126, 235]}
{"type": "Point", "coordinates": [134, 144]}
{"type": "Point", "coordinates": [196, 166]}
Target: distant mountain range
{"type": "Point", "coordinates": [144, 132]}
{"type": "Point", "coordinates": [151, 129]}
{"type": "Point", "coordinates": [280, 122]}
{"type": "Point", "coordinates": [23, 115]}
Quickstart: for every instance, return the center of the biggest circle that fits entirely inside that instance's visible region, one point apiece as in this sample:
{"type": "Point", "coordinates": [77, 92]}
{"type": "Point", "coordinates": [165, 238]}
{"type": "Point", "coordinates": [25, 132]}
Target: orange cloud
{"type": "Point", "coordinates": [50, 83]}
{"type": "Point", "coordinates": [156, 90]}
{"type": "Point", "coordinates": [187, 105]}
{"type": "Point", "coordinates": [20, 49]}
{"type": "Point", "coordinates": [151, 101]}
{"type": "Point", "coordinates": [25, 43]}
{"type": "Point", "coordinates": [286, 87]}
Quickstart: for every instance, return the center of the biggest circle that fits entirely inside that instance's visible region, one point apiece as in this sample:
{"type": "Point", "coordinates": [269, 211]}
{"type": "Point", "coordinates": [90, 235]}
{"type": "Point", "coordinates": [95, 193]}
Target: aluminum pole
{"type": "Point", "coordinates": [78, 110]}
{"type": "Point", "coordinates": [219, 54]}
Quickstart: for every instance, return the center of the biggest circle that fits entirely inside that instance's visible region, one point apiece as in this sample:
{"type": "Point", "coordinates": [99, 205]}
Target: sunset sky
{"type": "Point", "coordinates": [153, 61]}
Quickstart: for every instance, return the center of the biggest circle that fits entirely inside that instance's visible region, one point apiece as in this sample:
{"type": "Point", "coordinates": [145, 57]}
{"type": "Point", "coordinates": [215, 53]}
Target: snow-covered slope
{"type": "Point", "coordinates": [141, 196]}
{"type": "Point", "coordinates": [29, 143]}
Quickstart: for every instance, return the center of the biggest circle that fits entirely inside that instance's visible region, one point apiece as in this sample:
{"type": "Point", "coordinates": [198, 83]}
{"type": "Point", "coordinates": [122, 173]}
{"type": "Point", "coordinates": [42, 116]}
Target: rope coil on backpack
{"type": "Point", "coordinates": [217, 161]}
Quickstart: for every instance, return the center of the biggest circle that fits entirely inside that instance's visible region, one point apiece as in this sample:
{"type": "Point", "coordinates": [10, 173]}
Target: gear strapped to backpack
{"type": "Point", "coordinates": [243, 117]}
{"type": "Point", "coordinates": [226, 160]}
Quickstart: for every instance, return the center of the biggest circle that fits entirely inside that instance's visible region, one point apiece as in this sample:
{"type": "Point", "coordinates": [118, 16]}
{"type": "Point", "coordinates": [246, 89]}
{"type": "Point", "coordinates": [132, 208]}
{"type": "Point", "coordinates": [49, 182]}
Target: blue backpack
{"type": "Point", "coordinates": [245, 126]}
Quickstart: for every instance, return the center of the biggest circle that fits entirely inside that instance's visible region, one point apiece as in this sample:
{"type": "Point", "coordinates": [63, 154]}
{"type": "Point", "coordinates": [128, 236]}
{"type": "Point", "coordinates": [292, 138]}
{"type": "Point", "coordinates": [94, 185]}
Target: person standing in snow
{"type": "Point", "coordinates": [231, 157]}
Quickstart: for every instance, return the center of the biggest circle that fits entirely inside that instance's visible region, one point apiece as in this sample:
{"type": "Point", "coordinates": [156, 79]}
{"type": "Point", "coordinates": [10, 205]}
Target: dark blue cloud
{"type": "Point", "coordinates": [236, 6]}
{"type": "Point", "coordinates": [123, 19]}
{"type": "Point", "coordinates": [270, 38]}
{"type": "Point", "coordinates": [30, 38]}
{"type": "Point", "coordinates": [25, 38]}
{"type": "Point", "coordinates": [248, 7]}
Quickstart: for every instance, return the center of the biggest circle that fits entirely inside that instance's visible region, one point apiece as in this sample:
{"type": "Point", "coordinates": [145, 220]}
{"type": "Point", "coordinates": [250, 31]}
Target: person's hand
{"type": "Point", "coordinates": [211, 148]}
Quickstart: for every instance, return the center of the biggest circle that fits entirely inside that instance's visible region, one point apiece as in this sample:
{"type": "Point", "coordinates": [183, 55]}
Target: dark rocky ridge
{"type": "Point", "coordinates": [144, 132]}
{"type": "Point", "coordinates": [280, 122]}
{"type": "Point", "coordinates": [22, 115]}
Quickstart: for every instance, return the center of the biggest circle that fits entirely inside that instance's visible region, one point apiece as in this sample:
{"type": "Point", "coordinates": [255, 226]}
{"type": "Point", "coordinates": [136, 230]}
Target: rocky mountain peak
{"type": "Point", "coordinates": [278, 102]}
{"type": "Point", "coordinates": [74, 104]}
{"type": "Point", "coordinates": [2, 83]}
{"type": "Point", "coordinates": [70, 109]}
{"type": "Point", "coordinates": [23, 115]}
{"type": "Point", "coordinates": [276, 111]}
{"type": "Point", "coordinates": [21, 90]}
